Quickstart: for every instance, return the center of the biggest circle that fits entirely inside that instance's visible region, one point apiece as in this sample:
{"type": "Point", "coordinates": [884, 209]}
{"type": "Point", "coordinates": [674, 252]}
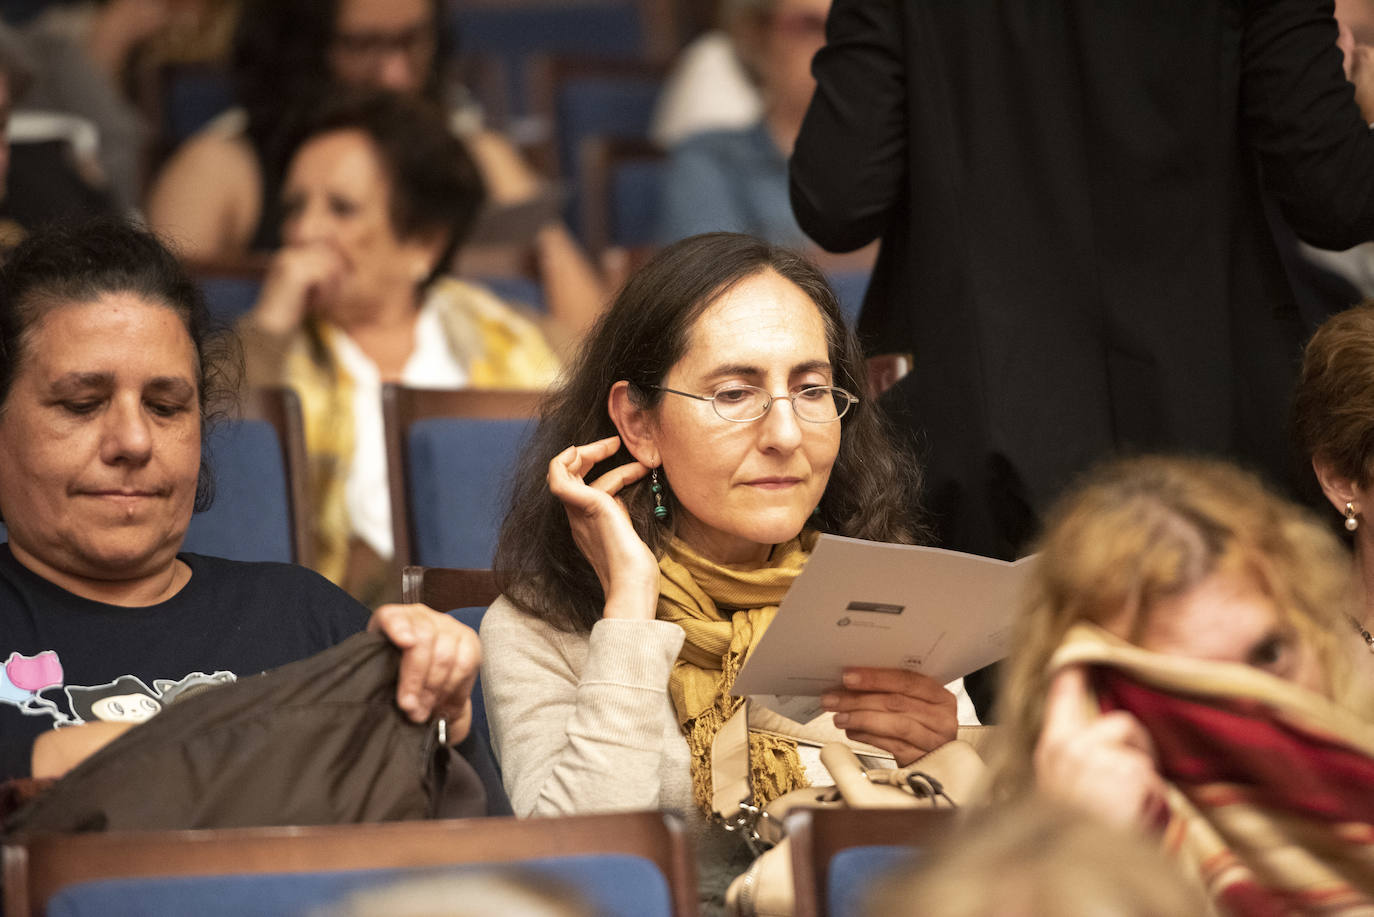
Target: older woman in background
{"type": "Point", "coordinates": [107, 378]}
{"type": "Point", "coordinates": [219, 194]}
{"type": "Point", "coordinates": [376, 200]}
{"type": "Point", "coordinates": [1334, 419]}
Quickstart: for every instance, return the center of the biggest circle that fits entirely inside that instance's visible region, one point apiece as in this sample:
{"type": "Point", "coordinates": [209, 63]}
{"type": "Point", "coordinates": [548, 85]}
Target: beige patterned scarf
{"type": "Point", "coordinates": [497, 346]}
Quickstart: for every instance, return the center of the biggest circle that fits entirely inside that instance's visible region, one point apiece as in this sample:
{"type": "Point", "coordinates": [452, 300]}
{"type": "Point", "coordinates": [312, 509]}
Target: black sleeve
{"type": "Point", "coordinates": [1300, 116]}
{"type": "Point", "coordinates": [849, 163]}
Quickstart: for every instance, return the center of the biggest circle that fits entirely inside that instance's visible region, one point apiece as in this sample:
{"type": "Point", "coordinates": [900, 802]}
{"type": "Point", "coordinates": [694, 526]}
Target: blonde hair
{"type": "Point", "coordinates": [1037, 857]}
{"type": "Point", "coordinates": [1139, 530]}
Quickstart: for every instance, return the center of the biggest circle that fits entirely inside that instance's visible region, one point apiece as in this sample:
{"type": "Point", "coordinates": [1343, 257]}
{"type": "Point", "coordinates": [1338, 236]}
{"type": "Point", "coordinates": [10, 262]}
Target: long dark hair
{"type": "Point", "coordinates": [639, 339]}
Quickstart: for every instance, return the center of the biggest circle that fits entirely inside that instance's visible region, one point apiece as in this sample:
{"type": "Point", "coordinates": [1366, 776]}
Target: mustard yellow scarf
{"type": "Point", "coordinates": [724, 611]}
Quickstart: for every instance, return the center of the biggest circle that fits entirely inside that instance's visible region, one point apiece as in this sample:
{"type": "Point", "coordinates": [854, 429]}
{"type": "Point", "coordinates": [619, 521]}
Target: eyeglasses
{"type": "Point", "coordinates": [743, 403]}
{"type": "Point", "coordinates": [416, 43]}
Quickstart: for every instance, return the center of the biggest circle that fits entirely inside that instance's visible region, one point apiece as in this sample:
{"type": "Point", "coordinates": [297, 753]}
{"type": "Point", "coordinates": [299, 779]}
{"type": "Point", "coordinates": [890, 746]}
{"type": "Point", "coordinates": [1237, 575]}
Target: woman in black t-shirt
{"type": "Point", "coordinates": [107, 375]}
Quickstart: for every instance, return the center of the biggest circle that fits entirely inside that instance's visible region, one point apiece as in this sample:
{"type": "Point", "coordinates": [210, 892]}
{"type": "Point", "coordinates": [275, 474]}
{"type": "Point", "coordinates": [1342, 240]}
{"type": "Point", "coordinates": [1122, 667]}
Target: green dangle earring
{"type": "Point", "coordinates": [660, 511]}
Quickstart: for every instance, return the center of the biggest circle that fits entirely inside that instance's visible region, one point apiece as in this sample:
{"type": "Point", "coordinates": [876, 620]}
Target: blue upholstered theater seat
{"type": "Point", "coordinates": [636, 192]}
{"type": "Point", "coordinates": [458, 473]}
{"type": "Point", "coordinates": [853, 872]}
{"type": "Point", "coordinates": [516, 290]}
{"type": "Point", "coordinates": [228, 296]}
{"type": "Point", "coordinates": [849, 287]}
{"type": "Point", "coordinates": [514, 33]}
{"type": "Point", "coordinates": [192, 95]}
{"type": "Point", "coordinates": [616, 885]}
{"type": "Point", "coordinates": [595, 105]}
{"type": "Point", "coordinates": [602, 105]}
{"type": "Point", "coordinates": [251, 517]}
{"type": "Point", "coordinates": [624, 863]}
{"type": "Point", "coordinates": [472, 617]}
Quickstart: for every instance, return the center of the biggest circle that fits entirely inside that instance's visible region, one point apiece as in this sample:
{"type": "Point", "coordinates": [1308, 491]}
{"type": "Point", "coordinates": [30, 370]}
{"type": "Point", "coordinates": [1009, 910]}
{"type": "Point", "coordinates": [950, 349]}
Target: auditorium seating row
{"type": "Point", "coordinates": [623, 865]}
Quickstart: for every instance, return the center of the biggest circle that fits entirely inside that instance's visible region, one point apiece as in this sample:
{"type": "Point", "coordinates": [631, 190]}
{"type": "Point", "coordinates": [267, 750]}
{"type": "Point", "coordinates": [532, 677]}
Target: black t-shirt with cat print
{"type": "Point", "coordinates": [66, 660]}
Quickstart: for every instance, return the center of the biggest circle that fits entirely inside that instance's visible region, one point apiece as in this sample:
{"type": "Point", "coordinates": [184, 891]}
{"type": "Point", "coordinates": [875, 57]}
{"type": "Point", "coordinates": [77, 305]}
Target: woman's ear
{"type": "Point", "coordinates": [1338, 488]}
{"type": "Point", "coordinates": [634, 424]}
{"type": "Point", "coordinates": [423, 251]}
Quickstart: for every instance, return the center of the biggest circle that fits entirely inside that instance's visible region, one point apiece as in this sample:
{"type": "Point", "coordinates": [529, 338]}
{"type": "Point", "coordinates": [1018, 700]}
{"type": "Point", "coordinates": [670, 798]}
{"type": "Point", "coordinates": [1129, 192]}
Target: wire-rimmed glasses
{"type": "Point", "coordinates": [744, 403]}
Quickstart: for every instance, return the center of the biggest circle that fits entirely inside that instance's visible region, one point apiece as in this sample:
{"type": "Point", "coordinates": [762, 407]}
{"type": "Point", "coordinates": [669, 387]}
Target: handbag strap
{"type": "Point", "coordinates": [950, 775]}
{"type": "Point", "coordinates": [731, 793]}
{"type": "Point", "coordinates": [889, 788]}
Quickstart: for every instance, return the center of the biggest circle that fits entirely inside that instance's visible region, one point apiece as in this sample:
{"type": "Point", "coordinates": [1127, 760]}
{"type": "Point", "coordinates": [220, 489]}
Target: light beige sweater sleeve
{"type": "Point", "coordinates": [582, 722]}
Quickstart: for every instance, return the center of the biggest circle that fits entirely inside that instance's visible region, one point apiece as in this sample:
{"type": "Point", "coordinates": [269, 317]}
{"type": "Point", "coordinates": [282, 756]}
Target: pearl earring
{"type": "Point", "coordinates": [1352, 521]}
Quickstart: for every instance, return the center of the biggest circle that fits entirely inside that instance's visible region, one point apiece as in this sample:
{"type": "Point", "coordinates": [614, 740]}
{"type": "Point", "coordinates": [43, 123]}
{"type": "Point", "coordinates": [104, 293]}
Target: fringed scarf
{"type": "Point", "coordinates": [724, 611]}
{"type": "Point", "coordinates": [1270, 787]}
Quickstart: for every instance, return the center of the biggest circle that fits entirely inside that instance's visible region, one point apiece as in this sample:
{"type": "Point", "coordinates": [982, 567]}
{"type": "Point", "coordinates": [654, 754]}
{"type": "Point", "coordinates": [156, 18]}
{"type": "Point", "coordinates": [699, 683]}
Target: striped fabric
{"type": "Point", "coordinates": [1271, 787]}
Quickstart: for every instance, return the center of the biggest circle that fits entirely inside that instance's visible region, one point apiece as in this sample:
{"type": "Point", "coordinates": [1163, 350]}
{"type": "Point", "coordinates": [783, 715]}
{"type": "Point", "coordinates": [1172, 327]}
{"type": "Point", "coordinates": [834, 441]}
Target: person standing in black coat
{"type": "Point", "coordinates": [1074, 250]}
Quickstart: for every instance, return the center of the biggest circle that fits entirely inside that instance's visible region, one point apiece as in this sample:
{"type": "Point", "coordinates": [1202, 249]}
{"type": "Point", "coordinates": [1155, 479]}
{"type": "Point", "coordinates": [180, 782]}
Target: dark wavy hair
{"type": "Point", "coordinates": [639, 339]}
{"type": "Point", "coordinates": [70, 263]}
{"type": "Point", "coordinates": [435, 186]}
{"type": "Point", "coordinates": [280, 68]}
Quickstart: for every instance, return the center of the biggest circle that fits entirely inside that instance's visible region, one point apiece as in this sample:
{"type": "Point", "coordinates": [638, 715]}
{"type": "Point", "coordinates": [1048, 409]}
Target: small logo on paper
{"type": "Point", "coordinates": [884, 608]}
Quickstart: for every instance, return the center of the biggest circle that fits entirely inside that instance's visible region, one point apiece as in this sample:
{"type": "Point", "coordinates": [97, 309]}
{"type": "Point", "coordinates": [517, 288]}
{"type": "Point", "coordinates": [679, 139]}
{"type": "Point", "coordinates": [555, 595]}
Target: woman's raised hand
{"type": "Point", "coordinates": [903, 712]}
{"type": "Point", "coordinates": [299, 277]}
{"type": "Point", "coordinates": [1102, 764]}
{"type": "Point", "coordinates": [627, 569]}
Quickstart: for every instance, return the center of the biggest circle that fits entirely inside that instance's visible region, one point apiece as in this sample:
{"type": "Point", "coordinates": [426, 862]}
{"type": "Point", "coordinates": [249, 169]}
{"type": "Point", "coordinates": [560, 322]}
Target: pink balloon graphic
{"type": "Point", "coordinates": [34, 673]}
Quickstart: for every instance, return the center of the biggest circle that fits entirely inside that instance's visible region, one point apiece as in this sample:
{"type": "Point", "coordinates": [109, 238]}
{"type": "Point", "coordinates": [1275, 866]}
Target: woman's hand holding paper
{"type": "Point", "coordinates": [903, 712]}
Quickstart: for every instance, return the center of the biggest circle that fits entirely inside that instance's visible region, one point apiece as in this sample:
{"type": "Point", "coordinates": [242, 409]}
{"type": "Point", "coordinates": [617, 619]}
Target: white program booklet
{"type": "Point", "coordinates": [864, 603]}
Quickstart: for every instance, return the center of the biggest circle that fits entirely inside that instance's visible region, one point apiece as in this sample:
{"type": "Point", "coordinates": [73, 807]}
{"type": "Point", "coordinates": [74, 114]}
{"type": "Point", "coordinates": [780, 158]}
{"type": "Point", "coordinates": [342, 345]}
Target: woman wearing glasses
{"type": "Point", "coordinates": [219, 195]}
{"type": "Point", "coordinates": [710, 429]}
